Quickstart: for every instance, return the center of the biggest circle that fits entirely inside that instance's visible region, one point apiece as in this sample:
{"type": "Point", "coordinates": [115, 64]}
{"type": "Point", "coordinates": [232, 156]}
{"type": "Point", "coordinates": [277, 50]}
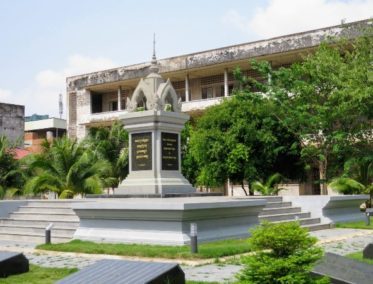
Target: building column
{"type": "Point", "coordinates": [226, 89]}
{"type": "Point", "coordinates": [187, 94]}
{"type": "Point", "coordinates": [119, 98]}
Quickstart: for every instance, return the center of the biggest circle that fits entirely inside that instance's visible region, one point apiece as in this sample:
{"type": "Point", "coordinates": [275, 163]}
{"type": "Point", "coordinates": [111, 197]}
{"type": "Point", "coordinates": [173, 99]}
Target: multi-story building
{"type": "Point", "coordinates": [39, 128]}
{"type": "Point", "coordinates": [201, 79]}
{"type": "Point", "coordinates": [12, 121]}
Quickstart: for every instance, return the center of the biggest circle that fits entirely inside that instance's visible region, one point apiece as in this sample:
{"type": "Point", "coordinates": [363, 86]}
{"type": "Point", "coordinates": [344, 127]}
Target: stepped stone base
{"type": "Point", "coordinates": [166, 221]}
{"type": "Point", "coordinates": [27, 221]}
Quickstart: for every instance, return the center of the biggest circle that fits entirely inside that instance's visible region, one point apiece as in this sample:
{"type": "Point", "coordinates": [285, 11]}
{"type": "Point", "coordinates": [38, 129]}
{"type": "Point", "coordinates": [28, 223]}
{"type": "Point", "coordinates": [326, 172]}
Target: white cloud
{"type": "Point", "coordinates": [43, 95]}
{"type": "Point", "coordinates": [282, 17]}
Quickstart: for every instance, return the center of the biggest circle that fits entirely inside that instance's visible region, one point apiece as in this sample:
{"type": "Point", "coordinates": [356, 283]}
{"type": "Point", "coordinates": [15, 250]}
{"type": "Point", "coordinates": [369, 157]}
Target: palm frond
{"type": "Point", "coordinates": [346, 185]}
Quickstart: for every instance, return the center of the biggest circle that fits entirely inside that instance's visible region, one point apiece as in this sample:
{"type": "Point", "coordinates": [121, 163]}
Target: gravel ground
{"type": "Point", "coordinates": [340, 241]}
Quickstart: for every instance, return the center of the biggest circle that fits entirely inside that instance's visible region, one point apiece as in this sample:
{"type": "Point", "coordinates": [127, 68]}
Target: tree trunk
{"type": "Point", "coordinates": [322, 170]}
{"type": "Point", "coordinates": [243, 187]}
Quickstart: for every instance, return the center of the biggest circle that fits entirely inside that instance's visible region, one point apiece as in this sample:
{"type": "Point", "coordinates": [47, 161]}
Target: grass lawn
{"type": "Point", "coordinates": [356, 225]}
{"type": "Point", "coordinates": [206, 250]}
{"type": "Point", "coordinates": [359, 256]}
{"type": "Point", "coordinates": [38, 275]}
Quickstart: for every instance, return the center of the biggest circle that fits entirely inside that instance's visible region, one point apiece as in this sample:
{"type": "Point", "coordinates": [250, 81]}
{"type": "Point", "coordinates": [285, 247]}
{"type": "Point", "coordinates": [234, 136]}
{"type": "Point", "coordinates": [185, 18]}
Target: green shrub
{"type": "Point", "coordinates": [285, 253]}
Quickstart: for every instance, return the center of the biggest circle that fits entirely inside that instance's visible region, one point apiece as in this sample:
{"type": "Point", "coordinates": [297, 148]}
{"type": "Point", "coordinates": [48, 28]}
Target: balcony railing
{"type": "Point", "coordinates": [106, 116]}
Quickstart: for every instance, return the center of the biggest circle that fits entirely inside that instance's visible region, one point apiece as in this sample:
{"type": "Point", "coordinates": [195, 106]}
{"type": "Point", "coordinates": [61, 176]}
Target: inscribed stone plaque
{"type": "Point", "coordinates": [170, 151]}
{"type": "Point", "coordinates": [141, 151]}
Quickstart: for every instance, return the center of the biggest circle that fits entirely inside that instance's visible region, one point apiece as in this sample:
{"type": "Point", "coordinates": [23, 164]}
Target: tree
{"type": "Point", "coordinates": [240, 140]}
{"type": "Point", "coordinates": [111, 144]}
{"type": "Point", "coordinates": [189, 166]}
{"type": "Point", "coordinates": [284, 253]}
{"type": "Point", "coordinates": [270, 187]}
{"type": "Point", "coordinates": [67, 168]}
{"type": "Point", "coordinates": [11, 176]}
{"type": "Point", "coordinates": [326, 100]}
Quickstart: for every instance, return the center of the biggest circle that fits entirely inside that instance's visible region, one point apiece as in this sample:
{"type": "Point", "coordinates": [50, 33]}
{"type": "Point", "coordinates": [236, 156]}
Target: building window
{"type": "Point", "coordinates": [96, 103]}
{"type": "Point", "coordinates": [219, 91]}
{"type": "Point", "coordinates": [207, 93]}
{"type": "Point", "coordinates": [181, 94]}
{"type": "Point", "coordinates": [123, 104]}
{"type": "Point", "coordinates": [113, 105]}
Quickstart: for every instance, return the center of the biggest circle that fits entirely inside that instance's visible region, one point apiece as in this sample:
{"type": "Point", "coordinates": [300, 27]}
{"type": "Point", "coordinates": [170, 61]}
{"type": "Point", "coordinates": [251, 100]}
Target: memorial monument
{"type": "Point", "coordinates": [154, 122]}
{"type": "Point", "coordinates": [135, 214]}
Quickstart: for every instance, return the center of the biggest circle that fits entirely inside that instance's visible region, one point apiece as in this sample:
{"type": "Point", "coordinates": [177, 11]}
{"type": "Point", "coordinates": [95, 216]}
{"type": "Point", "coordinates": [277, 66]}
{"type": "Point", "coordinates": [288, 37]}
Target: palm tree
{"type": "Point", "coordinates": [11, 176]}
{"type": "Point", "coordinates": [346, 185]}
{"type": "Point", "coordinates": [67, 168]}
{"type": "Point", "coordinates": [111, 144]}
{"type": "Point", "coordinates": [357, 179]}
{"type": "Point", "coordinates": [270, 187]}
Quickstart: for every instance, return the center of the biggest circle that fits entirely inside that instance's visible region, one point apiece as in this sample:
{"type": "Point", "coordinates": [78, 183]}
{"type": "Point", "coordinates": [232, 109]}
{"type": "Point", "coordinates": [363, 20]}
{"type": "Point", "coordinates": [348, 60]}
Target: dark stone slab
{"type": "Point", "coordinates": [344, 270]}
{"type": "Point", "coordinates": [127, 272]}
{"type": "Point", "coordinates": [368, 251]}
{"type": "Point", "coordinates": [141, 148]}
{"type": "Point", "coordinates": [12, 263]}
{"type": "Point", "coordinates": [170, 151]}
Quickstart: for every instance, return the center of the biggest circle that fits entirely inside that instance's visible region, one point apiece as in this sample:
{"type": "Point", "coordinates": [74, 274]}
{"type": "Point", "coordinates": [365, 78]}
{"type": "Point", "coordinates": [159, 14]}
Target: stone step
{"type": "Point", "coordinates": [275, 211]}
{"type": "Point", "coordinates": [33, 238]}
{"type": "Point", "coordinates": [268, 198]}
{"type": "Point", "coordinates": [278, 204]}
{"type": "Point", "coordinates": [50, 203]}
{"type": "Point", "coordinates": [302, 221]}
{"type": "Point", "coordinates": [317, 227]}
{"type": "Point", "coordinates": [285, 216]}
{"type": "Point", "coordinates": [42, 209]}
{"type": "Point", "coordinates": [42, 216]}
{"type": "Point", "coordinates": [26, 230]}
{"type": "Point", "coordinates": [57, 224]}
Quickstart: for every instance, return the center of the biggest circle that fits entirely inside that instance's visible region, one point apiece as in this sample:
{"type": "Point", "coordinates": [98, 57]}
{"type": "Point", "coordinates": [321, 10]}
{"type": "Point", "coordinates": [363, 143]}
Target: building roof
{"type": "Point", "coordinates": [257, 49]}
{"type": "Point", "coordinates": [50, 123]}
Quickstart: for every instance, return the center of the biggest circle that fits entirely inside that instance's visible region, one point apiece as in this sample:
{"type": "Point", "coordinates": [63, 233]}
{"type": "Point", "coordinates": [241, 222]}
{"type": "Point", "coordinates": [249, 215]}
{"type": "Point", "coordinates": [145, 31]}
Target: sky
{"type": "Point", "coordinates": [42, 42]}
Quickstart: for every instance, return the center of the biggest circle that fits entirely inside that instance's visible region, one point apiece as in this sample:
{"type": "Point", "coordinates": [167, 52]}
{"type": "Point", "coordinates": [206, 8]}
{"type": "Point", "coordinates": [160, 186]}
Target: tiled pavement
{"type": "Point", "coordinates": [340, 241]}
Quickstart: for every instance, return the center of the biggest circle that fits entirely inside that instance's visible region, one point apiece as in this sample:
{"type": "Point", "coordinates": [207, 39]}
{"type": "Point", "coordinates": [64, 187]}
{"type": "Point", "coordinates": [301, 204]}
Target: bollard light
{"type": "Point", "coordinates": [193, 238]}
{"type": "Point", "coordinates": [48, 233]}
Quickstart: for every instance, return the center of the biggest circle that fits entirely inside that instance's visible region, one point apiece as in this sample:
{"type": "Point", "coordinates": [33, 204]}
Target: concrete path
{"type": "Point", "coordinates": [340, 241]}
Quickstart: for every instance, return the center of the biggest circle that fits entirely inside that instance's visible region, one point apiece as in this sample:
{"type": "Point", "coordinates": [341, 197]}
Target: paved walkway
{"type": "Point", "coordinates": [340, 241]}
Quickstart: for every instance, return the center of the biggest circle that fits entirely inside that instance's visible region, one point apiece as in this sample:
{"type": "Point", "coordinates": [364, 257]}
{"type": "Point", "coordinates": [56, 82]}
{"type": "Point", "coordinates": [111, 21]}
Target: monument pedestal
{"type": "Point", "coordinates": [155, 158]}
{"type": "Point", "coordinates": [166, 221]}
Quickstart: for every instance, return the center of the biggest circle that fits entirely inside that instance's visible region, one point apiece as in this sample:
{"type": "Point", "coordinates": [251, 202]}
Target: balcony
{"type": "Point", "coordinates": [105, 118]}
{"type": "Point", "coordinates": [101, 118]}
{"type": "Point", "coordinates": [200, 104]}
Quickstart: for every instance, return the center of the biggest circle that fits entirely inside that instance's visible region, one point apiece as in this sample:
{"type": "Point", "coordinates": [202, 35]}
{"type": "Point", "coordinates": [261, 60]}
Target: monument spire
{"type": "Point", "coordinates": [154, 65]}
{"type": "Point", "coordinates": [154, 57]}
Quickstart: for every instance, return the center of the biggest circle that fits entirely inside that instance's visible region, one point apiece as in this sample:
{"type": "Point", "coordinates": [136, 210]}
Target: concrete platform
{"type": "Point", "coordinates": [165, 221]}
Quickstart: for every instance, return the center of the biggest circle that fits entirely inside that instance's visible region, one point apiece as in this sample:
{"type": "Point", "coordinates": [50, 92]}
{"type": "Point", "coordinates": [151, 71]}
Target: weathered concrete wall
{"type": "Point", "coordinates": [12, 122]}
{"type": "Point", "coordinates": [221, 55]}
{"type": "Point", "coordinates": [83, 98]}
